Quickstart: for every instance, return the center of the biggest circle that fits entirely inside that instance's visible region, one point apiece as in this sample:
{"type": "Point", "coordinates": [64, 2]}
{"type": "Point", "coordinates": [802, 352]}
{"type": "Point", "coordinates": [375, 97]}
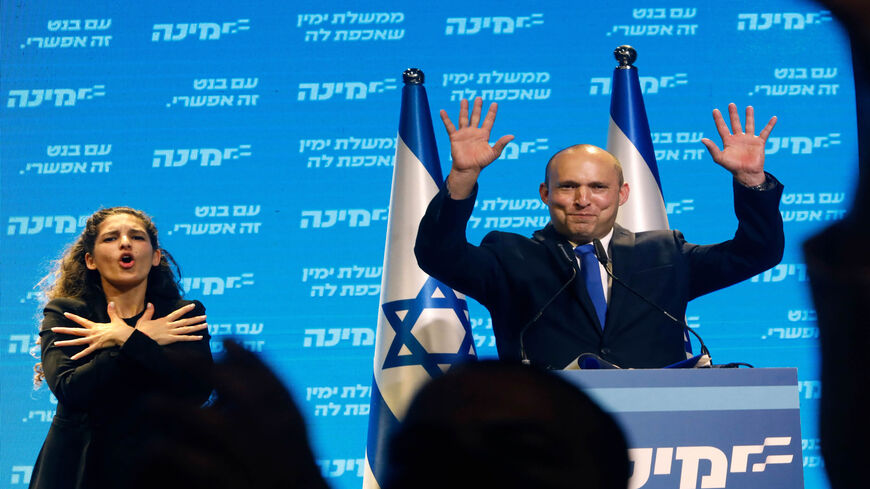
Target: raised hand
{"type": "Point", "coordinates": [95, 335]}
{"type": "Point", "coordinates": [469, 146]}
{"type": "Point", "coordinates": [743, 152]}
{"type": "Point", "coordinates": [170, 328]}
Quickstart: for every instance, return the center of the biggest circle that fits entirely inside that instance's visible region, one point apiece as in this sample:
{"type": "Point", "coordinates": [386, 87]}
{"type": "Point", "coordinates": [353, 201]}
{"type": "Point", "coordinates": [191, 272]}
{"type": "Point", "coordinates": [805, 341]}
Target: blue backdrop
{"type": "Point", "coordinates": [261, 138]}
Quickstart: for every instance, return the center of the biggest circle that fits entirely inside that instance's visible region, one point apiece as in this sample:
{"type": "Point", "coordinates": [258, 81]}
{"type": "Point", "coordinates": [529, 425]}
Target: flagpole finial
{"type": "Point", "coordinates": [626, 55]}
{"type": "Point", "coordinates": [413, 76]}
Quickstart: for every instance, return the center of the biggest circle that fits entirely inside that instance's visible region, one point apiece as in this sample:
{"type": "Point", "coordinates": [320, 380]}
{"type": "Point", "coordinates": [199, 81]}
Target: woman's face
{"type": "Point", "coordinates": [122, 252]}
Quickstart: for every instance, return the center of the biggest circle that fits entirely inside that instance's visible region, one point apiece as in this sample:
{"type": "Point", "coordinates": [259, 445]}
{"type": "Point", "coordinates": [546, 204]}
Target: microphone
{"type": "Point", "coordinates": [602, 257]}
{"type": "Point", "coordinates": [540, 312]}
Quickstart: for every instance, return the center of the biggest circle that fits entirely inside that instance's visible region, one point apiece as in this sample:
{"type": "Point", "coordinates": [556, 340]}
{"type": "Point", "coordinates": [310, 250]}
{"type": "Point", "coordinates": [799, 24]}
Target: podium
{"type": "Point", "coordinates": [704, 428]}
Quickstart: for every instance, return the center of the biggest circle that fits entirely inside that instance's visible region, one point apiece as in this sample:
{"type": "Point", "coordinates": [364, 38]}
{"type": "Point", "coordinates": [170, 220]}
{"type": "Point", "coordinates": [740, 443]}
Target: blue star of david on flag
{"type": "Point", "coordinates": [406, 349]}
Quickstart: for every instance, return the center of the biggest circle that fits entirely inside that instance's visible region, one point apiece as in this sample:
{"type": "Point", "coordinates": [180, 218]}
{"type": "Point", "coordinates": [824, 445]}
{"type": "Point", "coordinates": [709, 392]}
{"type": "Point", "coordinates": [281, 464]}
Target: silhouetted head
{"type": "Point", "coordinates": [495, 424]}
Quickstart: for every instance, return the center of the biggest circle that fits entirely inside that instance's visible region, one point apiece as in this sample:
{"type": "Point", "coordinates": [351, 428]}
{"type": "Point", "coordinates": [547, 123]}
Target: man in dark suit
{"type": "Point", "coordinates": [545, 304]}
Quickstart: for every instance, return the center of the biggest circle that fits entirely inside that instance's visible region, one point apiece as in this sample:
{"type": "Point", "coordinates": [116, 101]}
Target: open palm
{"type": "Point", "coordinates": [743, 152]}
{"type": "Point", "coordinates": [469, 145]}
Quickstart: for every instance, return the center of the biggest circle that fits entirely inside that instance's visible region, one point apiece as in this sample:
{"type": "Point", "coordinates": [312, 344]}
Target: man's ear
{"type": "Point", "coordinates": [545, 193]}
{"type": "Point", "coordinates": [623, 193]}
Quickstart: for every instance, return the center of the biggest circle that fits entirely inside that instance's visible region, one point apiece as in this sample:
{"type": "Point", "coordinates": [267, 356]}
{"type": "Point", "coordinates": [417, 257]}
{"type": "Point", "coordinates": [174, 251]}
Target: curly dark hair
{"type": "Point", "coordinates": [70, 276]}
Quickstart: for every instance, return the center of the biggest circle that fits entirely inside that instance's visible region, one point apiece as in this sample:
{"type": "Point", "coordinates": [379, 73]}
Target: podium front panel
{"type": "Point", "coordinates": [735, 428]}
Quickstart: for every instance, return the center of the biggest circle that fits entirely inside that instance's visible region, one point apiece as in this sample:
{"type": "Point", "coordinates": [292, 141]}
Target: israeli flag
{"type": "Point", "coordinates": [629, 140]}
{"type": "Point", "coordinates": [423, 325]}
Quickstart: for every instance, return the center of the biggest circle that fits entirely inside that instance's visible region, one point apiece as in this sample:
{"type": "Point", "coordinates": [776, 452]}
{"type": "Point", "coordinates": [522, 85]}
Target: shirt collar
{"type": "Point", "coordinates": [605, 242]}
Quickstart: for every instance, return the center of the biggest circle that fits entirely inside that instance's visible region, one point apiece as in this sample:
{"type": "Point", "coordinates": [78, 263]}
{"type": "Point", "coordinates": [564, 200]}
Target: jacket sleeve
{"type": "Point", "coordinates": [75, 383]}
{"type": "Point", "coordinates": [443, 251]}
{"type": "Point", "coordinates": [757, 245]}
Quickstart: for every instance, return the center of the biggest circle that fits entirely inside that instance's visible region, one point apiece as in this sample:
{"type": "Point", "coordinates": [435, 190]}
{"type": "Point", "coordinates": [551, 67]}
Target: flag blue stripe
{"type": "Point", "coordinates": [629, 114]}
{"type": "Point", "coordinates": [382, 422]}
{"type": "Point", "coordinates": [415, 129]}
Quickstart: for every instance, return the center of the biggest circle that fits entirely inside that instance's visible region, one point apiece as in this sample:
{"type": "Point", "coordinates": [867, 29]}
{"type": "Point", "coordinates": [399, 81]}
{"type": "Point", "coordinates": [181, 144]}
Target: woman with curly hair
{"type": "Point", "coordinates": [115, 335]}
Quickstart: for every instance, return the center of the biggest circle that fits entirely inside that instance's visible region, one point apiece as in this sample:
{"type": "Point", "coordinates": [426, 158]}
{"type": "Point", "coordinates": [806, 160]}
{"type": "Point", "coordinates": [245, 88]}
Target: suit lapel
{"type": "Point", "coordinates": [622, 258]}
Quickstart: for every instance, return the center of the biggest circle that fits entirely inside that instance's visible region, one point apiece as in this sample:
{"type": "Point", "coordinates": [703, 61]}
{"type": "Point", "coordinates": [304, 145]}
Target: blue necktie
{"type": "Point", "coordinates": [592, 278]}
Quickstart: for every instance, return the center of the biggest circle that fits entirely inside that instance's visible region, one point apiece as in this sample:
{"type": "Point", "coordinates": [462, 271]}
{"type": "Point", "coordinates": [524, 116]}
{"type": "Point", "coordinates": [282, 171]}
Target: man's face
{"type": "Point", "coordinates": [583, 193]}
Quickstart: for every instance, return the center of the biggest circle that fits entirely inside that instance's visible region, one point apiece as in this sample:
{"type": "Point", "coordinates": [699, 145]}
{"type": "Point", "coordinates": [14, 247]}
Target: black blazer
{"type": "Point", "coordinates": [97, 427]}
{"type": "Point", "coordinates": [514, 276]}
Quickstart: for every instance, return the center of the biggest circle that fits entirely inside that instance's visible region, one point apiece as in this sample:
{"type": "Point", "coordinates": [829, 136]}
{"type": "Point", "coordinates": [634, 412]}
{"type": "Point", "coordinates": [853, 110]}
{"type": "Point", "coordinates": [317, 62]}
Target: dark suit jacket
{"type": "Point", "coordinates": [514, 277]}
{"type": "Point", "coordinates": [97, 428]}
